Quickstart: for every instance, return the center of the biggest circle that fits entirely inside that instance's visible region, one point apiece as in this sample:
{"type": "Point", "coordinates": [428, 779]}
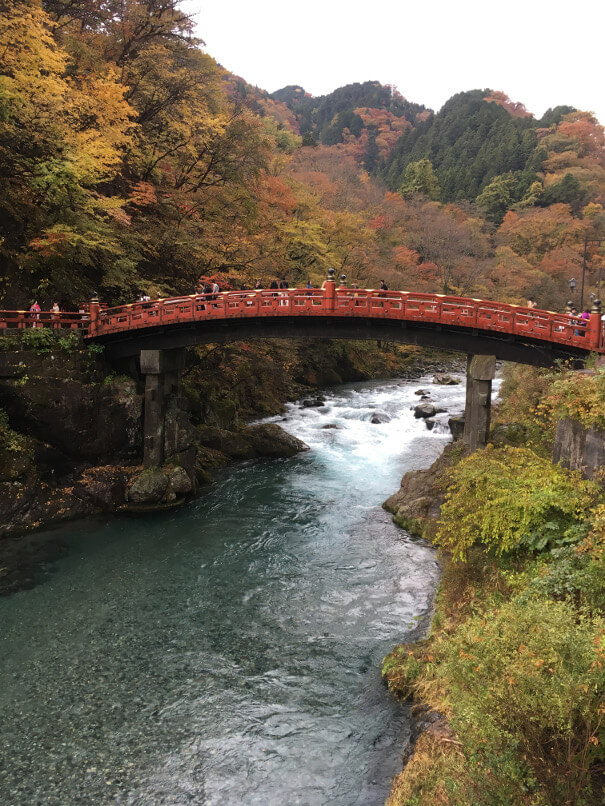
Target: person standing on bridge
{"type": "Point", "coordinates": [35, 313]}
{"type": "Point", "coordinates": [383, 286]}
{"type": "Point", "coordinates": [258, 286]}
{"type": "Point", "coordinates": [283, 285]}
{"type": "Point", "coordinates": [584, 319]}
{"type": "Point", "coordinates": [531, 303]}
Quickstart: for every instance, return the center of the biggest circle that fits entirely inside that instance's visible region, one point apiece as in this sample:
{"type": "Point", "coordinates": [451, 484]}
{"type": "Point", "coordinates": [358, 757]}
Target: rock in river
{"type": "Point", "coordinates": [446, 380]}
{"type": "Point", "coordinates": [379, 417]}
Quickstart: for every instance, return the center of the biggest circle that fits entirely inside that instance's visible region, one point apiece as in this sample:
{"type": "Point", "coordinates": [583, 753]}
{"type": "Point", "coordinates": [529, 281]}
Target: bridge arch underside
{"type": "Point", "coordinates": [503, 346]}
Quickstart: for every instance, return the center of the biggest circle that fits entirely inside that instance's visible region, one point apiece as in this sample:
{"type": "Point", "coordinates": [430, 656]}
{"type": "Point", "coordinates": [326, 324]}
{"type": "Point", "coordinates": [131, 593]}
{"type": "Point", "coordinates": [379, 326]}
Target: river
{"type": "Point", "coordinates": [229, 652]}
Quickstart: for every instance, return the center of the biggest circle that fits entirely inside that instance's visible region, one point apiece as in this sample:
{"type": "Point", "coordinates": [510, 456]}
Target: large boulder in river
{"type": "Point", "coordinates": [446, 380]}
{"type": "Point", "coordinates": [379, 417]}
{"type": "Point", "coordinates": [424, 410]}
{"type": "Point", "coordinates": [149, 487]}
{"type": "Point", "coordinates": [312, 403]}
{"type": "Point", "coordinates": [271, 440]}
{"type": "Point", "coordinates": [180, 482]}
{"type": "Point", "coordinates": [456, 425]}
{"type": "Point", "coordinates": [159, 486]}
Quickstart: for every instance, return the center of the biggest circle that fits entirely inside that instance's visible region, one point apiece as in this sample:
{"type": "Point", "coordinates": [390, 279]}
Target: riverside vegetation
{"type": "Point", "coordinates": [511, 677]}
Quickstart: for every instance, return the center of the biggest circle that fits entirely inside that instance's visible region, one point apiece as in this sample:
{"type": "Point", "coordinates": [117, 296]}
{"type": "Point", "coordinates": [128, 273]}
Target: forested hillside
{"type": "Point", "coordinates": [131, 161]}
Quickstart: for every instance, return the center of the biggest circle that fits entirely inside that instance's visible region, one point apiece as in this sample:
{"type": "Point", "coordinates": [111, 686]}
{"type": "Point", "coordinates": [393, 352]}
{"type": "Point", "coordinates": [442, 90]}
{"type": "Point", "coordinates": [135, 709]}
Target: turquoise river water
{"type": "Point", "coordinates": [229, 652]}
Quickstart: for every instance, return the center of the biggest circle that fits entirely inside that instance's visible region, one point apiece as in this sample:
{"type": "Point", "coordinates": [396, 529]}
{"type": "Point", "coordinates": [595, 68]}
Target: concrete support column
{"type": "Point", "coordinates": [480, 371]}
{"type": "Point", "coordinates": [162, 371]}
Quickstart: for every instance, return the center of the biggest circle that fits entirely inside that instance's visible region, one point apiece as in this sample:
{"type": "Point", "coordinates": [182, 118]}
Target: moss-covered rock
{"type": "Point", "coordinates": [417, 503]}
{"type": "Point", "coordinates": [149, 486]}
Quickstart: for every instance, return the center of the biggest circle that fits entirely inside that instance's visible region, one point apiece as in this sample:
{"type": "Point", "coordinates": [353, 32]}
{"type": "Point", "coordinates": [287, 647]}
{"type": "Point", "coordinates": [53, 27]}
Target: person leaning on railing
{"type": "Point", "coordinates": [583, 320]}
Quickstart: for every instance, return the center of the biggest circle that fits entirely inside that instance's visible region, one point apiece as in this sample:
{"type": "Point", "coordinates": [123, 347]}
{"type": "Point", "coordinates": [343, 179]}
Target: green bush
{"type": "Point", "coordinates": [507, 497]}
{"type": "Point", "coordinates": [525, 686]}
{"type": "Point", "coordinates": [70, 342]}
{"type": "Point", "coordinates": [40, 340]}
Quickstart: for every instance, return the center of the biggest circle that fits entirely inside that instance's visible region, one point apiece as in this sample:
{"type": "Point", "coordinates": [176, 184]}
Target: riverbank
{"type": "Point", "coordinates": [508, 685]}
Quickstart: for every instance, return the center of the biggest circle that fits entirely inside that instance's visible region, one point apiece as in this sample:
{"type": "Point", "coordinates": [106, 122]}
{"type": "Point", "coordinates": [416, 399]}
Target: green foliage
{"type": "Point", "coordinates": [504, 497]}
{"type": "Point", "coordinates": [419, 177]}
{"type": "Point", "coordinates": [574, 575]}
{"type": "Point", "coordinates": [522, 405]}
{"type": "Point", "coordinates": [70, 342]}
{"type": "Point", "coordinates": [497, 197]}
{"type": "Point", "coordinates": [95, 349]}
{"type": "Point", "coordinates": [325, 117]}
{"type": "Point", "coordinates": [469, 143]}
{"type": "Point", "coordinates": [16, 452]}
{"type": "Point", "coordinates": [524, 685]}
{"type": "Point", "coordinates": [40, 340]}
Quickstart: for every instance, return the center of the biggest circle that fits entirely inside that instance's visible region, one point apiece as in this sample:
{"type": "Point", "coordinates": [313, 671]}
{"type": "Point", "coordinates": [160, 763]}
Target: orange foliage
{"type": "Point", "coordinates": [515, 109]}
{"type": "Point", "coordinates": [535, 232]}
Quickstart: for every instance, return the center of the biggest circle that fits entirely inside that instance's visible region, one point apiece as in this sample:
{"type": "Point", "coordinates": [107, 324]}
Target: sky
{"type": "Point", "coordinates": [541, 54]}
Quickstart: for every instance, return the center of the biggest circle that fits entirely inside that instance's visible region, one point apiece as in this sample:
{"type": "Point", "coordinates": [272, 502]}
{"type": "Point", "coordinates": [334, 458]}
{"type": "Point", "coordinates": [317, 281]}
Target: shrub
{"type": "Point", "coordinates": [524, 688]}
{"type": "Point", "coordinates": [70, 342]}
{"type": "Point", "coordinates": [580, 397]}
{"type": "Point", "coordinates": [502, 497]}
{"type": "Point", "coordinates": [40, 340]}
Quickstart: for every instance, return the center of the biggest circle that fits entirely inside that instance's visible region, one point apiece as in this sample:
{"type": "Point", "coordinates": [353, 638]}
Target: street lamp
{"type": "Point", "coordinates": [572, 285]}
{"type": "Point", "coordinates": [588, 240]}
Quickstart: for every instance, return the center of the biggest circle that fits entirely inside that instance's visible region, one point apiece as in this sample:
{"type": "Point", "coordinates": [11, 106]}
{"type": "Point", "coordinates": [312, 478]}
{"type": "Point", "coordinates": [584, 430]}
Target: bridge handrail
{"type": "Point", "coordinates": [62, 320]}
{"type": "Point", "coordinates": [412, 306]}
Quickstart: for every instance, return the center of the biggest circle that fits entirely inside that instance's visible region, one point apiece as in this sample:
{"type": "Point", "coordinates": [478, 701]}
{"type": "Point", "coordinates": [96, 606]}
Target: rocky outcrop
{"type": "Point", "coordinates": [417, 503]}
{"type": "Point", "coordinates": [580, 448]}
{"type": "Point", "coordinates": [29, 502]}
{"type": "Point", "coordinates": [70, 402]}
{"type": "Point", "coordinates": [250, 442]}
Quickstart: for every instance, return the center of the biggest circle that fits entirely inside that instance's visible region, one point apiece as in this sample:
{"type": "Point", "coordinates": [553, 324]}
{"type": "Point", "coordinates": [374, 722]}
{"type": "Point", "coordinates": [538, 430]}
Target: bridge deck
{"type": "Point", "coordinates": [479, 316]}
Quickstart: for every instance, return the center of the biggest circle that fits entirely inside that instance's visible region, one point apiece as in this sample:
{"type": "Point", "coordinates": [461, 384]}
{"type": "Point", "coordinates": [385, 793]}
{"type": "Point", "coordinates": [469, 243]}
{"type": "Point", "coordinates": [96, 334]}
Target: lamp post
{"type": "Point", "coordinates": [588, 240]}
{"type": "Point", "coordinates": [572, 286]}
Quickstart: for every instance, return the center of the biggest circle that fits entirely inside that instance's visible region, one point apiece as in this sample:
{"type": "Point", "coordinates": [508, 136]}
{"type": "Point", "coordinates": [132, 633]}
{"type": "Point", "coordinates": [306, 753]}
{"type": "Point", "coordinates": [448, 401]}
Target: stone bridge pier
{"type": "Point", "coordinates": [480, 372]}
{"type": "Point", "coordinates": [162, 372]}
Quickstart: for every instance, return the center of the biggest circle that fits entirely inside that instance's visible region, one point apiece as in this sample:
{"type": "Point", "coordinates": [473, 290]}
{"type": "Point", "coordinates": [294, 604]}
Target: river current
{"type": "Point", "coordinates": [229, 652]}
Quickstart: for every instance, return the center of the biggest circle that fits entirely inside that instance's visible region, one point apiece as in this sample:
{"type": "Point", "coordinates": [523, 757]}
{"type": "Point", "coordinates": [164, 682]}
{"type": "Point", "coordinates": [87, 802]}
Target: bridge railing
{"type": "Point", "coordinates": [409, 306]}
{"type": "Point", "coordinates": [433, 309]}
{"type": "Point", "coordinates": [63, 320]}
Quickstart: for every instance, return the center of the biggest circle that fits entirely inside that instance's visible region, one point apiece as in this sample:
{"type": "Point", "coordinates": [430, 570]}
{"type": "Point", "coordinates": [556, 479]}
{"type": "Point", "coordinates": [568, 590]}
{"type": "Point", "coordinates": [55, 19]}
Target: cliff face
{"type": "Point", "coordinates": [71, 429]}
{"type": "Point", "coordinates": [578, 447]}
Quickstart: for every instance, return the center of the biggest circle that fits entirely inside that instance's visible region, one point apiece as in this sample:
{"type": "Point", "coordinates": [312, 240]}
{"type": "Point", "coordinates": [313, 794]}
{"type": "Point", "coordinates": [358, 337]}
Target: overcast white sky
{"type": "Point", "coordinates": [542, 54]}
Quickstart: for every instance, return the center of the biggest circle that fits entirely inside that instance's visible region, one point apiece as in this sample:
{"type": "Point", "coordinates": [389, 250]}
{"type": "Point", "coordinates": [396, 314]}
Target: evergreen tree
{"type": "Point", "coordinates": [419, 177]}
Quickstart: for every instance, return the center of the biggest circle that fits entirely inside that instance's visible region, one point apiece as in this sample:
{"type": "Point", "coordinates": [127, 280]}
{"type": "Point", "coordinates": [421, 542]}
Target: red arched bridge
{"type": "Point", "coordinates": [463, 324]}
{"type": "Point", "coordinates": [154, 333]}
